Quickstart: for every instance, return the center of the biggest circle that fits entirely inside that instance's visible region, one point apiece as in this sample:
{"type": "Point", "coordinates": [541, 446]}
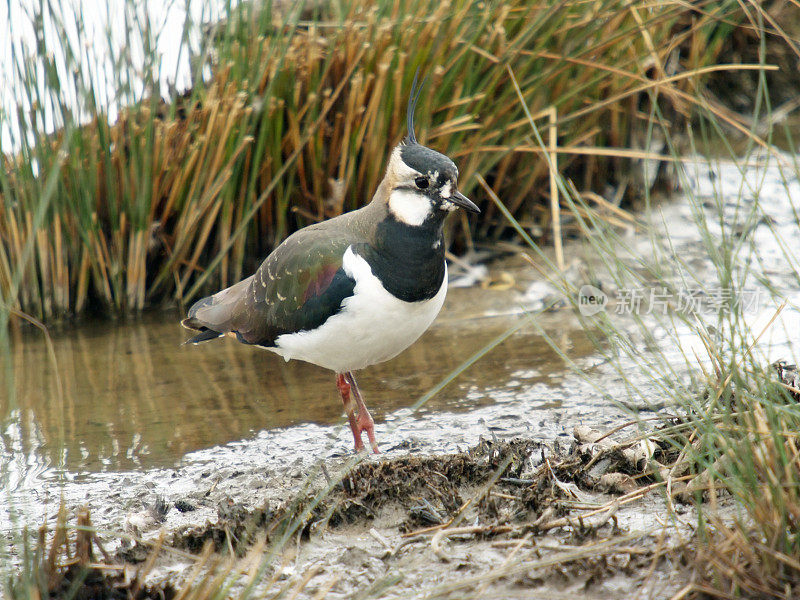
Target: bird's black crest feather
{"type": "Point", "coordinates": [412, 106]}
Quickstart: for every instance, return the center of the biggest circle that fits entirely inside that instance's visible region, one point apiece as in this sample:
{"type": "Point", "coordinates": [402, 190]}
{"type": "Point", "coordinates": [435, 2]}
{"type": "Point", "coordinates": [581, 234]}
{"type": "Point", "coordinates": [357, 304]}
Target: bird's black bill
{"type": "Point", "coordinates": [461, 200]}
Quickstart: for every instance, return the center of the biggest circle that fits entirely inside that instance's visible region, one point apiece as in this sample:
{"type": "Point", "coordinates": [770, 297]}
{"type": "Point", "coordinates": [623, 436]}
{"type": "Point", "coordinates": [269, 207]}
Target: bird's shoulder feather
{"type": "Point", "coordinates": [298, 287]}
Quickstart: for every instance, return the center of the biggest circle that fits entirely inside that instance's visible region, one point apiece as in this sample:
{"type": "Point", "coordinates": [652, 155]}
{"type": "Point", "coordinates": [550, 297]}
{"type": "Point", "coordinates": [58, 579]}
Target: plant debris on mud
{"type": "Point", "coordinates": [68, 568]}
{"type": "Point", "coordinates": [497, 492]}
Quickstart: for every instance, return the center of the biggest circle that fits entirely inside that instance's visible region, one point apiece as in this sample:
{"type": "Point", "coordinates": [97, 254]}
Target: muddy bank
{"type": "Point", "coordinates": [497, 520]}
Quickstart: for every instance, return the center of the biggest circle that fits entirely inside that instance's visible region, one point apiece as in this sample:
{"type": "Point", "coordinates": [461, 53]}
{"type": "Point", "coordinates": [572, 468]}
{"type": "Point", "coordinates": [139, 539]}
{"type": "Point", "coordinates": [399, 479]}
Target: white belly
{"type": "Point", "coordinates": [373, 326]}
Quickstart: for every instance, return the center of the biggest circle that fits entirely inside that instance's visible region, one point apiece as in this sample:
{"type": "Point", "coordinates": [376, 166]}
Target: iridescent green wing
{"type": "Point", "coordinates": [298, 287]}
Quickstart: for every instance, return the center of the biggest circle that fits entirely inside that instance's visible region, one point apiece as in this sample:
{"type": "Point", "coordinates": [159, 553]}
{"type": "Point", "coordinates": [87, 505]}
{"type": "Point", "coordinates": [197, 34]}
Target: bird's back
{"type": "Point", "coordinates": [297, 287]}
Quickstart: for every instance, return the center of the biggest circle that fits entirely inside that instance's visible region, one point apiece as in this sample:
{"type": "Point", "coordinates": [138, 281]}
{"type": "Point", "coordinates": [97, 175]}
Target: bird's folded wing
{"type": "Point", "coordinates": [298, 287]}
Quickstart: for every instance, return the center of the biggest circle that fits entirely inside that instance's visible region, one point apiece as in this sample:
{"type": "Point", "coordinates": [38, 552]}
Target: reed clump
{"type": "Point", "coordinates": [745, 446]}
{"type": "Point", "coordinates": [289, 121]}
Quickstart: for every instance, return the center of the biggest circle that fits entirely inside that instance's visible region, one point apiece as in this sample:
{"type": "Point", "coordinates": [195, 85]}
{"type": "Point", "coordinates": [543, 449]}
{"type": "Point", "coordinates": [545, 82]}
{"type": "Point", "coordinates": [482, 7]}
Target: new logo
{"type": "Point", "coordinates": [591, 300]}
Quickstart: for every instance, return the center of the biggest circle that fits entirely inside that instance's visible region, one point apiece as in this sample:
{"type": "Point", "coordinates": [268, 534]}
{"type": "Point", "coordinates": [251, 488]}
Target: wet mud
{"type": "Point", "coordinates": [445, 525]}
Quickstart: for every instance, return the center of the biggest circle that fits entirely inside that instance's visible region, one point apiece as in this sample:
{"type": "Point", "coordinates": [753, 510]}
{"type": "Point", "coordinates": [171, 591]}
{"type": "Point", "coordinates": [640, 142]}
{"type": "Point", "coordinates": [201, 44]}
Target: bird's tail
{"type": "Point", "coordinates": [205, 334]}
{"type": "Point", "coordinates": [212, 316]}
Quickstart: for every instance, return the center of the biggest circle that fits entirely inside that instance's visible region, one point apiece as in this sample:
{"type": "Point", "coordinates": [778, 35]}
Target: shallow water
{"type": "Point", "coordinates": [134, 397]}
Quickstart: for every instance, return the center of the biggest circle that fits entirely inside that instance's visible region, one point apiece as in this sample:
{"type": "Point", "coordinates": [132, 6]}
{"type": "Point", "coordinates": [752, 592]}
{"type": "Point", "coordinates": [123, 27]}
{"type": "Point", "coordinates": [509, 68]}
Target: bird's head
{"type": "Point", "coordinates": [422, 182]}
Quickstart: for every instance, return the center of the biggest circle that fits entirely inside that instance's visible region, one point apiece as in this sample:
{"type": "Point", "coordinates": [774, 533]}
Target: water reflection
{"type": "Point", "coordinates": [134, 397]}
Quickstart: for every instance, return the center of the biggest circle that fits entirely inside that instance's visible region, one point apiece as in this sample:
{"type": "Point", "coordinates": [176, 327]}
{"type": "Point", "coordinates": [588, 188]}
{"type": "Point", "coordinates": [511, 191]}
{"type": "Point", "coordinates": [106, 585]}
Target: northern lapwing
{"type": "Point", "coordinates": [357, 289]}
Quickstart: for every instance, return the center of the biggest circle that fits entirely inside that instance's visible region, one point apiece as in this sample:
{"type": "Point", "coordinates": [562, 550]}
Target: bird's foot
{"type": "Point", "coordinates": [361, 422]}
{"type": "Point", "coordinates": [354, 420]}
{"type": "Point", "coordinates": [365, 423]}
{"type": "Point", "coordinates": [359, 444]}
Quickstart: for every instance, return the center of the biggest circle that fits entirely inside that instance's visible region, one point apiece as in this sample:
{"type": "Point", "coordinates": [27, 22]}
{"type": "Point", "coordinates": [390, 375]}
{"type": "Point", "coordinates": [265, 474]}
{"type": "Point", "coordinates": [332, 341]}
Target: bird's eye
{"type": "Point", "coordinates": [422, 182]}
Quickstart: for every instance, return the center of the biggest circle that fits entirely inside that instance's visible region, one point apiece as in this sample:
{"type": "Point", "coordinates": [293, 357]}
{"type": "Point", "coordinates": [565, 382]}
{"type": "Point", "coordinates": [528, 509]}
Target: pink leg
{"type": "Point", "coordinates": [349, 407]}
{"type": "Point", "coordinates": [365, 422]}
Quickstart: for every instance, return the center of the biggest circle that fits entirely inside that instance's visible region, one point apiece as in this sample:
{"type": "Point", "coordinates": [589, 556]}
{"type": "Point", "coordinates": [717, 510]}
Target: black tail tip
{"type": "Point", "coordinates": [205, 334]}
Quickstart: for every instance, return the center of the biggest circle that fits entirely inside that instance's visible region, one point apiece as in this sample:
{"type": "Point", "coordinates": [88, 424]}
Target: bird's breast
{"type": "Point", "coordinates": [373, 325]}
{"type": "Point", "coordinates": [408, 261]}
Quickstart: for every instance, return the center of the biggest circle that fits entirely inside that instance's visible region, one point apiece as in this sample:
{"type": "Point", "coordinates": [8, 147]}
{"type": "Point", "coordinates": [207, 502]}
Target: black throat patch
{"type": "Point", "coordinates": [404, 258]}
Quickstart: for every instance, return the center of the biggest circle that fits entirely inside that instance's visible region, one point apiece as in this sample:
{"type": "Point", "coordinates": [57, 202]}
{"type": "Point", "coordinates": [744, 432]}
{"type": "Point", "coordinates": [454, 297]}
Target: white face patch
{"type": "Point", "coordinates": [448, 206]}
{"type": "Point", "coordinates": [447, 190]}
{"type": "Point", "coordinates": [408, 207]}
